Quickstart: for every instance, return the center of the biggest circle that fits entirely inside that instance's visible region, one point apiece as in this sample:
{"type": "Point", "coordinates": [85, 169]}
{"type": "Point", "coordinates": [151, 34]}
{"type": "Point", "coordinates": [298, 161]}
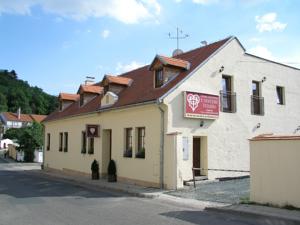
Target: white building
{"type": "Point", "coordinates": [194, 110]}
{"type": "Point", "coordinates": [17, 120]}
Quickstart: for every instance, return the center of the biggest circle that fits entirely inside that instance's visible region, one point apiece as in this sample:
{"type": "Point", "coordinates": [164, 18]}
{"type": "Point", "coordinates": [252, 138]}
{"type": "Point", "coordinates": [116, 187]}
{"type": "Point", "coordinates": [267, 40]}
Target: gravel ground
{"type": "Point", "coordinates": [230, 191]}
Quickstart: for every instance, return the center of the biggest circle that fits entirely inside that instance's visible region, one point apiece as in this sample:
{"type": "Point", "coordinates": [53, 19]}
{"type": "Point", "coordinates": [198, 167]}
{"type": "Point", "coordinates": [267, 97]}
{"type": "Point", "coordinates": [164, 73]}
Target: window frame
{"type": "Point", "coordinates": [227, 95]}
{"type": "Point", "coordinates": [128, 142]}
{"type": "Point", "coordinates": [257, 101]}
{"type": "Point", "coordinates": [66, 141]}
{"type": "Point", "coordinates": [83, 142]}
{"type": "Point", "coordinates": [60, 140]}
{"type": "Point", "coordinates": [158, 73]}
{"type": "Point", "coordinates": [91, 145]}
{"type": "Point", "coordinates": [141, 135]}
{"type": "Point", "coordinates": [48, 141]}
{"type": "Point", "coordinates": [280, 99]}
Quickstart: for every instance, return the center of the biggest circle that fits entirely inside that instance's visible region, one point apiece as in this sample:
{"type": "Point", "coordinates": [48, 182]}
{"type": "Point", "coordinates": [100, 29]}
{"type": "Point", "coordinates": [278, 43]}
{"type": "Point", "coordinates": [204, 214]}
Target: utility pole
{"type": "Point", "coordinates": [179, 35]}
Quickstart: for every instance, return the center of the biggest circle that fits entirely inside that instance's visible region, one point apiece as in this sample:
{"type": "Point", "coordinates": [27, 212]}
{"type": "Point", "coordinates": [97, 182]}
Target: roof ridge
{"type": "Point", "coordinates": [229, 37]}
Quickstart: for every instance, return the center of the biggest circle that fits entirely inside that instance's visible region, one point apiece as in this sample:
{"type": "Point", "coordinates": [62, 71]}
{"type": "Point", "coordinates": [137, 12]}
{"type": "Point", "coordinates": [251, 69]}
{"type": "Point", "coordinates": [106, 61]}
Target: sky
{"type": "Point", "coordinates": [55, 44]}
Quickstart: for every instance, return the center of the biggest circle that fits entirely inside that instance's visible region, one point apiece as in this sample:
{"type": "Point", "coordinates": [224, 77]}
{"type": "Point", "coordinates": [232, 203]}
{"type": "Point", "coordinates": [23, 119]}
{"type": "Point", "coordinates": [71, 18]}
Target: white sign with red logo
{"type": "Point", "coordinates": [200, 105]}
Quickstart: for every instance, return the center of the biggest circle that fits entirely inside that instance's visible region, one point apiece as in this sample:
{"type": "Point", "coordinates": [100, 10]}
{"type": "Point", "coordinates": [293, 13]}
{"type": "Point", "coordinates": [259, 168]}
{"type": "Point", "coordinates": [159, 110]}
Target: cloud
{"type": "Point", "coordinates": [126, 11]}
{"type": "Point", "coordinates": [121, 68]}
{"type": "Point", "coordinates": [291, 59]}
{"type": "Point", "coordinates": [268, 22]}
{"type": "Point", "coordinates": [105, 33]}
{"type": "Point", "coordinates": [261, 51]}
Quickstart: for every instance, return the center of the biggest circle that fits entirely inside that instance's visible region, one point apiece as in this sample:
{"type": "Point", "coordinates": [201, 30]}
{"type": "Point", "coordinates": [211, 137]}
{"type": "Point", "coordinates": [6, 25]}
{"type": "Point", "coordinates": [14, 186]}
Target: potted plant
{"type": "Point", "coordinates": [112, 171]}
{"type": "Point", "coordinates": [128, 153]}
{"type": "Point", "coordinates": [140, 153]}
{"type": "Point", "coordinates": [95, 170]}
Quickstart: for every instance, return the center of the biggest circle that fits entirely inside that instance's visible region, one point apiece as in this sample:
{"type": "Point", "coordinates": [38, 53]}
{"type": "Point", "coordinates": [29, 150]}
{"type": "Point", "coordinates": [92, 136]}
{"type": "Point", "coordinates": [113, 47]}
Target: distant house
{"type": "Point", "coordinates": [4, 143]}
{"type": "Point", "coordinates": [17, 120]}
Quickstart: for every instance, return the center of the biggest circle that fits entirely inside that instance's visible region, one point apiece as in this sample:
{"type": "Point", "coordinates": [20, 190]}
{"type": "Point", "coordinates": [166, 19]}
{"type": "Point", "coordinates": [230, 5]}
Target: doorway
{"type": "Point", "coordinates": [106, 150]}
{"type": "Point", "coordinates": [196, 154]}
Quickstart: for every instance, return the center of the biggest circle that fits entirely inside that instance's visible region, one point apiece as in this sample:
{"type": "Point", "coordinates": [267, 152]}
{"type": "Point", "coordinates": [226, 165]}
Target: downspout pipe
{"type": "Point", "coordinates": [161, 150]}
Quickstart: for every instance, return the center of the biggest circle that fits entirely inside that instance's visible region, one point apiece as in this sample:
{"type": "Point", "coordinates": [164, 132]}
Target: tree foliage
{"type": "Point", "coordinates": [29, 138]}
{"type": "Point", "coordinates": [15, 93]}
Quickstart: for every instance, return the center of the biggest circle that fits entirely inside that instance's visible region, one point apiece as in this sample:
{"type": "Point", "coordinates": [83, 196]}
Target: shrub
{"type": "Point", "coordinates": [112, 170]}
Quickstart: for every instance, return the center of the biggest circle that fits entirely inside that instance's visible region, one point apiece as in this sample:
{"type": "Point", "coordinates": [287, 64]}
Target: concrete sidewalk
{"type": "Point", "coordinates": [292, 216]}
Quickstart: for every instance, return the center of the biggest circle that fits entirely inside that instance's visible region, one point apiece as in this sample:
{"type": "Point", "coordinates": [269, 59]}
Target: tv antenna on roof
{"type": "Point", "coordinates": [179, 35]}
{"type": "Point", "coordinates": [89, 80]}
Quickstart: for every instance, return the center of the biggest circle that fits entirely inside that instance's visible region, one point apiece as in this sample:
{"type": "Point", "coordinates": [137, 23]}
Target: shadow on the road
{"type": "Point", "coordinates": [209, 218]}
{"type": "Point", "coordinates": [26, 184]}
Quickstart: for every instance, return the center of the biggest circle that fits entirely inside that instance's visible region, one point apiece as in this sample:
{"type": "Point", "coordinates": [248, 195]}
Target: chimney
{"type": "Point", "coordinates": [19, 113]}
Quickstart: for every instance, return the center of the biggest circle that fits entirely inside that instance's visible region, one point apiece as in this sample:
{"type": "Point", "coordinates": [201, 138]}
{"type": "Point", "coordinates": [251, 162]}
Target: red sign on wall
{"type": "Point", "coordinates": [199, 105]}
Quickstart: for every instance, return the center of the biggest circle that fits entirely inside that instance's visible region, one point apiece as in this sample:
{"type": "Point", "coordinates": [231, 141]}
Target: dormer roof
{"type": "Point", "coordinates": [170, 61]}
{"type": "Point", "coordinates": [117, 80]}
{"type": "Point", "coordinates": [68, 96]}
{"type": "Point", "coordinates": [94, 89]}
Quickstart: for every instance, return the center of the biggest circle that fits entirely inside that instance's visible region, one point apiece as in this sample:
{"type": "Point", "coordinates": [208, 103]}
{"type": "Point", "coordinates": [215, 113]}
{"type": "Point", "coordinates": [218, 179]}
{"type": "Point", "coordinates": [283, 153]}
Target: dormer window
{"type": "Point", "coordinates": [159, 78]}
{"type": "Point", "coordinates": [66, 99]}
{"type": "Point", "coordinates": [166, 69]}
{"type": "Point", "coordinates": [81, 100]}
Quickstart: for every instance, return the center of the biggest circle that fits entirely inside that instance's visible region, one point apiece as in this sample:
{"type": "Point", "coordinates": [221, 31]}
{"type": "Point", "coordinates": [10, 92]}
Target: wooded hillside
{"type": "Point", "coordinates": [15, 93]}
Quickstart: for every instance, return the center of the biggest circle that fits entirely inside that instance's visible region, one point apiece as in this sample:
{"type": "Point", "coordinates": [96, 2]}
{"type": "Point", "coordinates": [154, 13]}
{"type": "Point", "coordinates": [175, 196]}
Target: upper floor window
{"type": "Point", "coordinates": [159, 78]}
{"type": "Point", "coordinates": [280, 95]}
{"type": "Point", "coordinates": [141, 133]}
{"type": "Point", "coordinates": [257, 102]}
{"type": "Point", "coordinates": [48, 142]}
{"type": "Point", "coordinates": [81, 99]}
{"type": "Point", "coordinates": [128, 142]}
{"type": "Point", "coordinates": [228, 97]}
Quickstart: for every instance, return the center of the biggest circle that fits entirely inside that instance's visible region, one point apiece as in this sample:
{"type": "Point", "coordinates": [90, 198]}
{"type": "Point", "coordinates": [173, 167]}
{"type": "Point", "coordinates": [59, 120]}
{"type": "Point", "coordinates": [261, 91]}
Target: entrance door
{"type": "Point", "coordinates": [106, 149]}
{"type": "Point", "coordinates": [196, 155]}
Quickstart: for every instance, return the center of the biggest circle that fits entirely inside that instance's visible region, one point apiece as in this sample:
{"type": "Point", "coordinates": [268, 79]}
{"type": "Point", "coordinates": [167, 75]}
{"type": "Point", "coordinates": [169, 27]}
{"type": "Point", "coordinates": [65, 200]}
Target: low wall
{"type": "Point", "coordinates": [275, 166]}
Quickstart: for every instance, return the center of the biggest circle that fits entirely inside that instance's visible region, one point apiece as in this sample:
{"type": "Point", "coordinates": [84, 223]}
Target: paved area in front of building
{"type": "Point", "coordinates": [230, 191]}
{"type": "Point", "coordinates": [27, 197]}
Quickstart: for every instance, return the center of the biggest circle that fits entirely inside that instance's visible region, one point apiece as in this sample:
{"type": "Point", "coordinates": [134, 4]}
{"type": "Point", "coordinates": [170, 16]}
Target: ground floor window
{"type": "Point", "coordinates": [83, 142]}
{"type": "Point", "coordinates": [60, 142]}
{"type": "Point", "coordinates": [128, 143]}
{"type": "Point", "coordinates": [66, 140]}
{"type": "Point", "coordinates": [91, 146]}
{"type": "Point", "coordinates": [141, 133]}
{"type": "Point", "coordinates": [48, 142]}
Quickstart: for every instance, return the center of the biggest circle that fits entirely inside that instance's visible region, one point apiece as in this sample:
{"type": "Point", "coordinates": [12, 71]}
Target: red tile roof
{"type": "Point", "coordinates": [142, 87]}
{"type": "Point", "coordinates": [90, 89]}
{"type": "Point", "coordinates": [171, 61]}
{"type": "Point", "coordinates": [118, 80]}
{"type": "Point", "coordinates": [69, 97]}
{"type": "Point", "coordinates": [9, 116]}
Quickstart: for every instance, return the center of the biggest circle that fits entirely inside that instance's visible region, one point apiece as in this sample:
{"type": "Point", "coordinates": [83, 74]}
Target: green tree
{"type": "Point", "coordinates": [29, 139]}
{"type": "Point", "coordinates": [19, 93]}
{"type": "Point", "coordinates": [3, 103]}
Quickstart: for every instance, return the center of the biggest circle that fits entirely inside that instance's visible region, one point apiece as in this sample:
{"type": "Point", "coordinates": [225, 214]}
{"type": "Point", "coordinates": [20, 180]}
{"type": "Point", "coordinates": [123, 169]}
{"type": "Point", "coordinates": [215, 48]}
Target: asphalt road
{"type": "Point", "coordinates": [27, 198]}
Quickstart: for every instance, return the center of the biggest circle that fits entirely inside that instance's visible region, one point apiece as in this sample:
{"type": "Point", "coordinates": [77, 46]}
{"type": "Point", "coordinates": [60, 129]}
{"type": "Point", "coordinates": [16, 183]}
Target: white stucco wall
{"type": "Point", "coordinates": [227, 145]}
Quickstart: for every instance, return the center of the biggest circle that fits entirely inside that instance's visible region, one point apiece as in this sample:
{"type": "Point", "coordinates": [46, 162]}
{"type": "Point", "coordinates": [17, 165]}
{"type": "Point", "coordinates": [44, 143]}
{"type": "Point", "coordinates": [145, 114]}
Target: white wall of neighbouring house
{"type": "Point", "coordinates": [275, 172]}
{"type": "Point", "coordinates": [227, 137]}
